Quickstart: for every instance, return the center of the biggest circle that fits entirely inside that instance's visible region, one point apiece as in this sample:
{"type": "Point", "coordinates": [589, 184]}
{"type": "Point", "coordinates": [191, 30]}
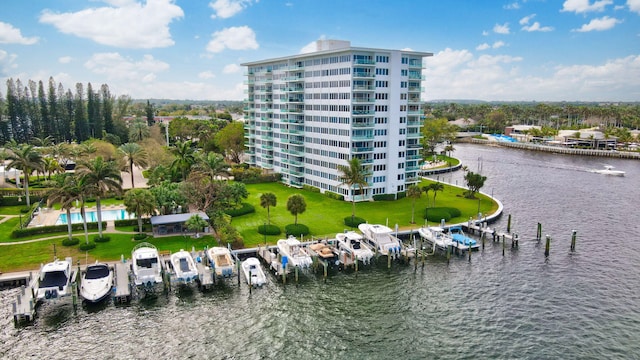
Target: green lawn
{"type": "Point", "coordinates": [325, 217]}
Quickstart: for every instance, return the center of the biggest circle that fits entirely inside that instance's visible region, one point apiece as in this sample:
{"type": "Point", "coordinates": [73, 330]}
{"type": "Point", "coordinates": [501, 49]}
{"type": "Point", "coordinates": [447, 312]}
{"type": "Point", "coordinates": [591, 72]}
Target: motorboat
{"type": "Point", "coordinates": [54, 281]}
{"type": "Point", "coordinates": [608, 170]}
{"type": "Point", "coordinates": [253, 272]}
{"type": "Point", "coordinates": [183, 267]}
{"type": "Point", "coordinates": [436, 236]}
{"type": "Point", "coordinates": [460, 240]}
{"type": "Point", "coordinates": [381, 237]}
{"type": "Point", "coordinates": [293, 254]}
{"type": "Point", "coordinates": [324, 251]}
{"type": "Point", "coordinates": [96, 282]}
{"type": "Point", "coordinates": [221, 260]}
{"type": "Point", "coordinates": [146, 266]}
{"type": "Point", "coordinates": [352, 243]}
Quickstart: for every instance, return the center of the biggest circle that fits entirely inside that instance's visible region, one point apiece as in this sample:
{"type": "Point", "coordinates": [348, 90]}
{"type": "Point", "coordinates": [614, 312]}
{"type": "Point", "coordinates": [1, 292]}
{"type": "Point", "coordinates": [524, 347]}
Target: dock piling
{"type": "Point", "coordinates": [547, 246]}
{"type": "Point", "coordinates": [573, 240]}
{"type": "Point", "coordinates": [503, 243]}
{"type": "Point", "coordinates": [539, 233]}
{"type": "Point", "coordinates": [509, 224]}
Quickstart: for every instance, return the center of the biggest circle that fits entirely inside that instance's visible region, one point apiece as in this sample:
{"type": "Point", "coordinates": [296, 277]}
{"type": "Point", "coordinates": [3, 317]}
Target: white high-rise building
{"type": "Point", "coordinates": [307, 114]}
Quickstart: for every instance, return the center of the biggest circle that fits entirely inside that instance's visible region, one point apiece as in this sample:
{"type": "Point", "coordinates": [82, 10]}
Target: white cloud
{"type": "Point", "coordinates": [525, 20]}
{"type": "Point", "coordinates": [584, 6]}
{"type": "Point", "coordinates": [501, 29]}
{"type": "Point", "coordinates": [206, 75]}
{"type": "Point", "coordinates": [634, 5]}
{"type": "Point", "coordinates": [601, 24]}
{"type": "Point", "coordinates": [7, 62]}
{"type": "Point", "coordinates": [483, 46]}
{"type": "Point", "coordinates": [498, 44]}
{"type": "Point", "coordinates": [231, 69]}
{"type": "Point", "coordinates": [513, 6]}
{"type": "Point", "coordinates": [485, 33]}
{"type": "Point", "coordinates": [11, 35]}
{"type": "Point", "coordinates": [126, 24]}
{"type": "Point", "coordinates": [536, 27]}
{"type": "Point", "coordinates": [458, 74]}
{"type": "Point", "coordinates": [234, 38]}
{"type": "Point", "coordinates": [65, 59]}
{"type": "Point", "coordinates": [115, 66]}
{"type": "Point", "coordinates": [228, 8]}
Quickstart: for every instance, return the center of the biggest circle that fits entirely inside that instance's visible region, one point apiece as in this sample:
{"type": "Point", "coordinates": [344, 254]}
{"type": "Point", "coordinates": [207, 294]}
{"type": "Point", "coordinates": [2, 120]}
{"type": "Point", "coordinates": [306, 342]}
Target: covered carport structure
{"type": "Point", "coordinates": [174, 223]}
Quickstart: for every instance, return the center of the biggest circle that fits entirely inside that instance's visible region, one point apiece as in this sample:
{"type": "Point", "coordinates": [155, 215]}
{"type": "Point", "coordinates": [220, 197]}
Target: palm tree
{"type": "Point", "coordinates": [65, 193]}
{"type": "Point", "coordinates": [195, 223]}
{"type": "Point", "coordinates": [266, 201]}
{"type": "Point", "coordinates": [414, 192]}
{"type": "Point", "coordinates": [354, 175]}
{"type": "Point", "coordinates": [212, 164]}
{"type": "Point", "coordinates": [100, 177]}
{"type": "Point", "coordinates": [426, 190]}
{"type": "Point", "coordinates": [26, 158]}
{"type": "Point", "coordinates": [436, 187]}
{"type": "Point", "coordinates": [185, 157]}
{"type": "Point", "coordinates": [134, 154]}
{"type": "Point", "coordinates": [140, 202]}
{"type": "Point", "coordinates": [296, 205]}
{"type": "Point", "coordinates": [138, 130]}
{"type": "Point", "coordinates": [51, 165]}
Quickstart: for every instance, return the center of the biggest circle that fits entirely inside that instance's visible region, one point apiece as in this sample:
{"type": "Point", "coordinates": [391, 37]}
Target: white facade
{"type": "Point", "coordinates": [306, 114]}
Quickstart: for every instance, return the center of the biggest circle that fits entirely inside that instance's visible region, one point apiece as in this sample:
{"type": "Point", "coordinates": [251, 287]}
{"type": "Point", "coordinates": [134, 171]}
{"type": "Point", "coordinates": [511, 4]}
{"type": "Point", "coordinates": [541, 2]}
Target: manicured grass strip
{"type": "Point", "coordinates": [6, 228]}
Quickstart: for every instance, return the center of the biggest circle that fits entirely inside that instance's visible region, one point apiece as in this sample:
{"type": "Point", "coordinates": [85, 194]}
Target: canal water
{"type": "Point", "coordinates": [581, 305]}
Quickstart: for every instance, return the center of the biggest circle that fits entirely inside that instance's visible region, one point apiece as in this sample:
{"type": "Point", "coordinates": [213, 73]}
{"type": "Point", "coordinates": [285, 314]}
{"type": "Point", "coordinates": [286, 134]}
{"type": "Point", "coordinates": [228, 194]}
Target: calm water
{"type": "Point", "coordinates": [582, 305]}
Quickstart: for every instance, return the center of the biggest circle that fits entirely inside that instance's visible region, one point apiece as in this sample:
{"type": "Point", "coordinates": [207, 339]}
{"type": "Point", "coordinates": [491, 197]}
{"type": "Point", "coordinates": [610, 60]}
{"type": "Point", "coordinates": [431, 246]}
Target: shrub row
{"type": "Point", "coordinates": [332, 195]}
{"type": "Point", "coordinates": [436, 214]}
{"type": "Point", "coordinates": [311, 188]}
{"type": "Point", "coordinates": [244, 209]}
{"type": "Point", "coordinates": [20, 233]}
{"type": "Point", "coordinates": [353, 221]}
{"type": "Point", "coordinates": [269, 230]}
{"type": "Point", "coordinates": [384, 197]}
{"type": "Point", "coordinates": [297, 229]}
{"type": "Point", "coordinates": [131, 222]}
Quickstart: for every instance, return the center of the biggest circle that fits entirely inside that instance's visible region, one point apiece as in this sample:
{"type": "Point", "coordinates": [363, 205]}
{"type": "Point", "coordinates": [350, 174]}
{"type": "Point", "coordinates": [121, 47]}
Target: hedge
{"type": "Point", "coordinates": [102, 239]}
{"type": "Point", "coordinates": [244, 209]}
{"type": "Point", "coordinates": [384, 197]}
{"type": "Point", "coordinates": [297, 229]}
{"type": "Point", "coordinates": [20, 233]}
{"type": "Point", "coordinates": [269, 230]}
{"type": "Point", "coordinates": [87, 246]}
{"type": "Point", "coordinates": [70, 242]}
{"type": "Point", "coordinates": [311, 188]}
{"type": "Point", "coordinates": [436, 214]}
{"type": "Point", "coordinates": [353, 221]}
{"type": "Point", "coordinates": [332, 195]}
{"type": "Point", "coordinates": [131, 222]}
{"type": "Point", "coordinates": [140, 236]}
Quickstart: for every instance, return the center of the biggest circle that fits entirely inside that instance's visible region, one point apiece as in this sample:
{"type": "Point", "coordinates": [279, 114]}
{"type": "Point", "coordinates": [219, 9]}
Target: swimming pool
{"type": "Point", "coordinates": [92, 216]}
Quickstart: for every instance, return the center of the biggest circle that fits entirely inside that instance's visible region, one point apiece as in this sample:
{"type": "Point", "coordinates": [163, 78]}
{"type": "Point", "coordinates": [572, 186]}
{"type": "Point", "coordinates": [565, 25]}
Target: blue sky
{"type": "Point", "coordinates": [522, 50]}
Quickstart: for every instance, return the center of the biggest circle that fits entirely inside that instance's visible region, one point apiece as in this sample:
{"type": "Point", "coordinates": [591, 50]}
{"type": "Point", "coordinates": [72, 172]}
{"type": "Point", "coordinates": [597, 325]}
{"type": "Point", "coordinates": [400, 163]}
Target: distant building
{"type": "Point", "coordinates": [307, 114]}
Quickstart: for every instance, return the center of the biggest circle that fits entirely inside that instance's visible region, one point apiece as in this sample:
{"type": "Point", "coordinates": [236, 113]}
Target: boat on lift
{"type": "Point", "coordinates": [55, 281]}
{"type": "Point", "coordinates": [353, 244]}
{"type": "Point", "coordinates": [183, 267]}
{"type": "Point", "coordinates": [381, 237]}
{"type": "Point", "coordinates": [146, 267]}
{"type": "Point", "coordinates": [296, 255]}
{"type": "Point", "coordinates": [96, 282]}
{"type": "Point", "coordinates": [253, 272]}
{"type": "Point", "coordinates": [223, 263]}
{"type": "Point", "coordinates": [436, 237]}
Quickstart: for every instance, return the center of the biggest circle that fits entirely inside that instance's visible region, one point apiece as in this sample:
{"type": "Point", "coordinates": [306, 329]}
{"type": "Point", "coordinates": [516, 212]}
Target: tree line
{"type": "Point", "coordinates": [37, 110]}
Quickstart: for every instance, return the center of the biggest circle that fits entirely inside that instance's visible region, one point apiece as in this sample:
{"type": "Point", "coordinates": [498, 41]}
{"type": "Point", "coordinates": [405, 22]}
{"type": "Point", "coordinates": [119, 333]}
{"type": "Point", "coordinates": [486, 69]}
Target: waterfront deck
{"type": "Point", "coordinates": [122, 284]}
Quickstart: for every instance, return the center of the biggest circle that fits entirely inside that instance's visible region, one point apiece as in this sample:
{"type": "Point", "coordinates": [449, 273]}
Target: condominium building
{"type": "Point", "coordinates": [307, 114]}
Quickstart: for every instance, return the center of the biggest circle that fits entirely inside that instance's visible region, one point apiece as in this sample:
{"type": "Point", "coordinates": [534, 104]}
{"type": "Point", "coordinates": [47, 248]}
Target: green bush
{"type": "Point", "coordinates": [332, 195]}
{"type": "Point", "coordinates": [131, 222]}
{"type": "Point", "coordinates": [244, 209]}
{"type": "Point", "coordinates": [269, 230]}
{"type": "Point", "coordinates": [384, 197]}
{"type": "Point", "coordinates": [297, 229]}
{"type": "Point", "coordinates": [311, 188]}
{"type": "Point", "coordinates": [70, 242]}
{"type": "Point", "coordinates": [25, 209]}
{"type": "Point", "coordinates": [19, 233]}
{"type": "Point", "coordinates": [87, 246]}
{"type": "Point", "coordinates": [140, 236]}
{"type": "Point", "coordinates": [353, 221]}
{"type": "Point", "coordinates": [436, 214]}
{"type": "Point", "coordinates": [102, 239]}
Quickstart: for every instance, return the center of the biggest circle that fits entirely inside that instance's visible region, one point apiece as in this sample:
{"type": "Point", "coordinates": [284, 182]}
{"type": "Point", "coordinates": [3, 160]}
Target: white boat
{"type": "Point", "coordinates": [253, 272]}
{"type": "Point", "coordinates": [462, 241]}
{"type": "Point", "coordinates": [183, 267]}
{"type": "Point", "coordinates": [55, 280]}
{"type": "Point", "coordinates": [96, 282]}
{"type": "Point", "coordinates": [293, 254]}
{"type": "Point", "coordinates": [436, 236]}
{"type": "Point", "coordinates": [353, 244]}
{"type": "Point", "coordinates": [381, 237]}
{"type": "Point", "coordinates": [146, 266]}
{"type": "Point", "coordinates": [220, 258]}
{"type": "Point", "coordinates": [608, 170]}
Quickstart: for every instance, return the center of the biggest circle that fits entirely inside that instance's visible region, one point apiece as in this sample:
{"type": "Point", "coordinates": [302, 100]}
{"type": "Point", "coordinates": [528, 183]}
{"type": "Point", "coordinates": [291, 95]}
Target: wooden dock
{"type": "Point", "coordinates": [24, 308]}
{"type": "Point", "coordinates": [122, 284]}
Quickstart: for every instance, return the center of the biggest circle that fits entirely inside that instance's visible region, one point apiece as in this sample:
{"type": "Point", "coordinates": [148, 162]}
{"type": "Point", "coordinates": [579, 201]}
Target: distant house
{"type": "Point", "coordinates": [520, 132]}
{"type": "Point", "coordinates": [174, 223]}
{"type": "Point", "coordinates": [587, 138]}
